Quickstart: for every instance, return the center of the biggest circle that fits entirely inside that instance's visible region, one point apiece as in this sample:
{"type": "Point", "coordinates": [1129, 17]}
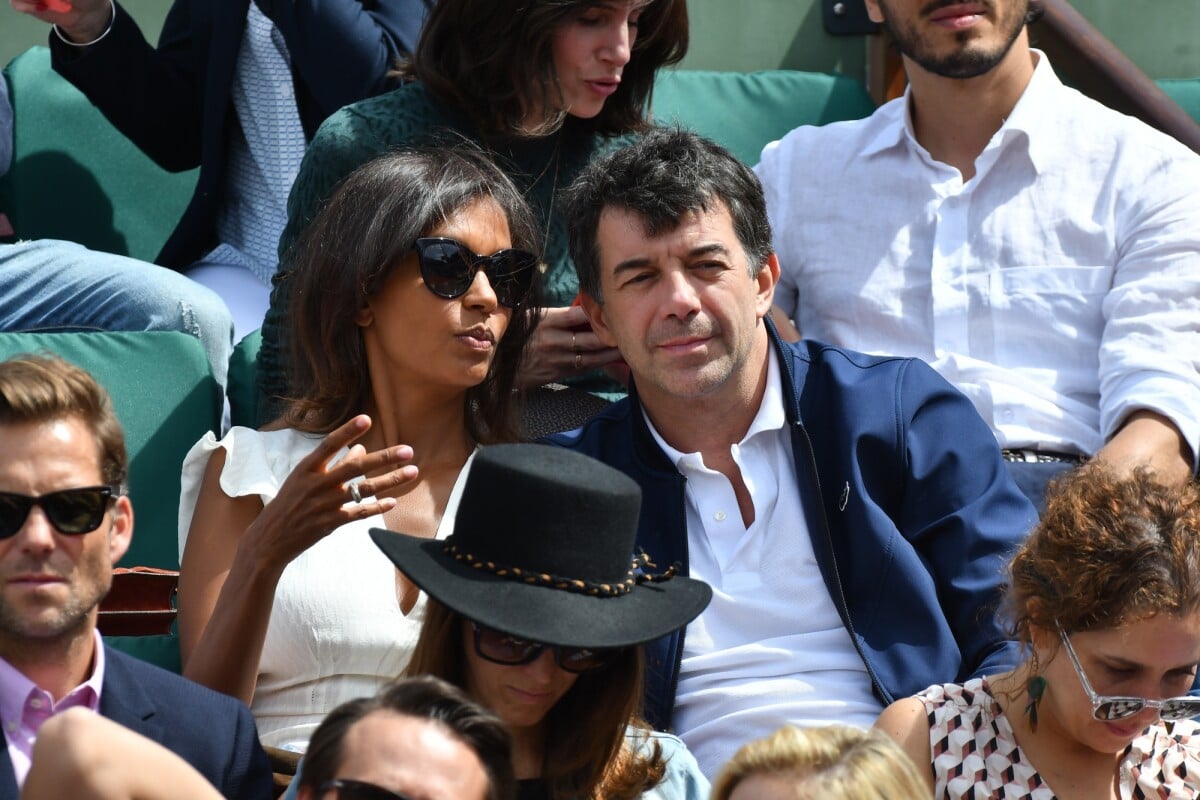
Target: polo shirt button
{"type": "Point", "coordinates": [719, 516]}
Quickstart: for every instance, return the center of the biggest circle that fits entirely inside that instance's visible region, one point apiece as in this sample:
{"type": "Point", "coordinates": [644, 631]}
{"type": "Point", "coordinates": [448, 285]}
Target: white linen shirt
{"type": "Point", "coordinates": [1059, 288]}
{"type": "Point", "coordinates": [770, 648]}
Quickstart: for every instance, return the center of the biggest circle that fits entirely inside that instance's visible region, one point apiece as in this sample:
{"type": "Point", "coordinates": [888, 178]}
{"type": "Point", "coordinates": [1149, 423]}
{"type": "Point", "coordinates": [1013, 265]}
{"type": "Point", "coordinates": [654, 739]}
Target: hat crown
{"type": "Point", "coordinates": [546, 510]}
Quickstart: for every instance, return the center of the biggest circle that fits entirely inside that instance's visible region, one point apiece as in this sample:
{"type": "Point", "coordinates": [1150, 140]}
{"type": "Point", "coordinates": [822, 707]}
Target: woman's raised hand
{"type": "Point", "coordinates": [563, 345]}
{"type": "Point", "coordinates": [319, 496]}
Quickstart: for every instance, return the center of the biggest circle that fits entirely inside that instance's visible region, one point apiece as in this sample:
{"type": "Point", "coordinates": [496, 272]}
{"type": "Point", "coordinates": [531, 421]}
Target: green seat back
{"type": "Point", "coordinates": [1185, 92]}
{"type": "Point", "coordinates": [745, 111]}
{"type": "Point", "coordinates": [245, 399]}
{"type": "Point", "coordinates": [76, 177]}
{"type": "Point", "coordinates": [166, 398]}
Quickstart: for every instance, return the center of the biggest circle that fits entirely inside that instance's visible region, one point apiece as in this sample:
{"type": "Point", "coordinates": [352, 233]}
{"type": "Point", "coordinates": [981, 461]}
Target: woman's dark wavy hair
{"type": "Point", "coordinates": [586, 757]}
{"type": "Point", "coordinates": [494, 61]}
{"type": "Point", "coordinates": [344, 257]}
{"type": "Point", "coordinates": [426, 698]}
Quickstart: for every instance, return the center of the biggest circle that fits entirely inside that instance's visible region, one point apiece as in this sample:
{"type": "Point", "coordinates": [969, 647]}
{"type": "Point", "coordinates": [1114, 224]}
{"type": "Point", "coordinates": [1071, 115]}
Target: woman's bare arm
{"type": "Point", "coordinates": [237, 549]}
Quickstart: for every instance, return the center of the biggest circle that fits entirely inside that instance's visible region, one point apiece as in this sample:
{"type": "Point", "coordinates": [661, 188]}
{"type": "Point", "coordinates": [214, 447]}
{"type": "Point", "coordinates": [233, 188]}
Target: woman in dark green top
{"type": "Point", "coordinates": [543, 85]}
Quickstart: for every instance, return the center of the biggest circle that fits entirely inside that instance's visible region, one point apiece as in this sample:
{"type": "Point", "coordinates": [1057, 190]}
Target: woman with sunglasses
{"type": "Point", "coordinates": [1105, 596]}
{"type": "Point", "coordinates": [542, 85]}
{"type": "Point", "coordinates": [408, 329]}
{"type": "Point", "coordinates": [536, 612]}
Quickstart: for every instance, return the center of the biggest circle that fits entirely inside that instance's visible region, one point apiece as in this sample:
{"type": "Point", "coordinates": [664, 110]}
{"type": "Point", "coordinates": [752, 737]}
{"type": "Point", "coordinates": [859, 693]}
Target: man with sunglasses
{"type": "Point", "coordinates": [64, 524]}
{"type": "Point", "coordinates": [852, 513]}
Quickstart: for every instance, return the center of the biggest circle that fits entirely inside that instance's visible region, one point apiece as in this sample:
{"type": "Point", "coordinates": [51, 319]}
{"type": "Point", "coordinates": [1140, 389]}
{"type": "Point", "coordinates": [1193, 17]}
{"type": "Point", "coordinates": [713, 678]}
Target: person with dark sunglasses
{"type": "Point", "coordinates": [65, 522]}
{"type": "Point", "coordinates": [1105, 598]}
{"type": "Point", "coordinates": [537, 607]}
{"type": "Point", "coordinates": [408, 323]}
{"type": "Point", "coordinates": [418, 739]}
{"type": "Point", "coordinates": [544, 86]}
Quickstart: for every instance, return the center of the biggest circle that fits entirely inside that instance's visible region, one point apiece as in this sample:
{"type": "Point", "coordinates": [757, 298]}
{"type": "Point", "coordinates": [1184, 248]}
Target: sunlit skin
{"type": "Point", "coordinates": [447, 344]}
{"type": "Point", "coordinates": [51, 583]}
{"type": "Point", "coordinates": [949, 38]}
{"type": "Point", "coordinates": [1075, 754]}
{"type": "Point", "coordinates": [682, 307]}
{"type": "Point", "coordinates": [418, 758]}
{"type": "Point", "coordinates": [590, 51]}
{"type": "Point", "coordinates": [520, 695]}
{"type": "Point", "coordinates": [1154, 658]}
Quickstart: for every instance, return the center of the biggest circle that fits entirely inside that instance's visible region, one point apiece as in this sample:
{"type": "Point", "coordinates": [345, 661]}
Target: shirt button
{"type": "Point", "coordinates": [12, 727]}
{"type": "Point", "coordinates": [719, 516]}
{"type": "Point", "coordinates": [36, 702]}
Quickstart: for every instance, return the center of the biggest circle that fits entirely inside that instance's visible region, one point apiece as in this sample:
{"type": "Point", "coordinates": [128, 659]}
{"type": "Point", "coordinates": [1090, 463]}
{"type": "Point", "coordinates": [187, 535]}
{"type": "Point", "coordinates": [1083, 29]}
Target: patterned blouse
{"type": "Point", "coordinates": [976, 755]}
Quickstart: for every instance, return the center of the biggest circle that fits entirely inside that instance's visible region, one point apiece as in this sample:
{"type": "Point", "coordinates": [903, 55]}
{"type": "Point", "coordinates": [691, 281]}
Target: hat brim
{"type": "Point", "coordinates": [541, 613]}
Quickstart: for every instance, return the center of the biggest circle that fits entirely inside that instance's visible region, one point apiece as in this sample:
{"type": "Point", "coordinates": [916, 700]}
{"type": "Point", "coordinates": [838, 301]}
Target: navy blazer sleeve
{"type": "Point", "coordinates": [213, 732]}
{"type": "Point", "coordinates": [961, 512]}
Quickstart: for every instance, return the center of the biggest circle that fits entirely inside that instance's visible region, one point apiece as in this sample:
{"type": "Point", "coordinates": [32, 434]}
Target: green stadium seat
{"type": "Point", "coordinates": [166, 398]}
{"type": "Point", "coordinates": [76, 177]}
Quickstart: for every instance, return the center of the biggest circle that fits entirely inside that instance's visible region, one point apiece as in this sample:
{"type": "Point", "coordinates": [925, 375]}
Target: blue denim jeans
{"type": "Point", "coordinates": [50, 285]}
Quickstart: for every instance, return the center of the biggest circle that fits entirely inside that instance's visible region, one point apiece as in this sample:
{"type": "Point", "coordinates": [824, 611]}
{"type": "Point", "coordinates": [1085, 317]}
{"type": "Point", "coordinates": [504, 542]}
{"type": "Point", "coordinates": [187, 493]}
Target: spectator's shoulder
{"type": "Point", "coordinates": [823, 147]}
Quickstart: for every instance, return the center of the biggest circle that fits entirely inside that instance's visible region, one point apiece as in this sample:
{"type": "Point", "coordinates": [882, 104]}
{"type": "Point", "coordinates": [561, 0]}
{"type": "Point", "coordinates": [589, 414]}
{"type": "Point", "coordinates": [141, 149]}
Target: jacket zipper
{"type": "Point", "coordinates": [839, 596]}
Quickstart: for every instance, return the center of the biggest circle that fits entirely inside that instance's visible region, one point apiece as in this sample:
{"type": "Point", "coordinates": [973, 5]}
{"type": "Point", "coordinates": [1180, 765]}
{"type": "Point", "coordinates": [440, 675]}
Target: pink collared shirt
{"type": "Point", "coordinates": [24, 707]}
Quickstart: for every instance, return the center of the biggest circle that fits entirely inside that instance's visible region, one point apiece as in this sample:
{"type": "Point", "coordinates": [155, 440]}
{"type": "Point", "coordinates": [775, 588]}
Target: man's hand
{"type": "Point", "coordinates": [1149, 439]}
{"type": "Point", "coordinates": [81, 21]}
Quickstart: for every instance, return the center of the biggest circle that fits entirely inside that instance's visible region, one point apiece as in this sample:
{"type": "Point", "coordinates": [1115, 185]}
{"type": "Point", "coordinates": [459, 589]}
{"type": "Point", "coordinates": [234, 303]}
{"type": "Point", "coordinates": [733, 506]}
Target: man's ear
{"type": "Point", "coordinates": [120, 536]}
{"type": "Point", "coordinates": [595, 315]}
{"type": "Point", "coordinates": [767, 279]}
{"type": "Point", "coordinates": [874, 11]}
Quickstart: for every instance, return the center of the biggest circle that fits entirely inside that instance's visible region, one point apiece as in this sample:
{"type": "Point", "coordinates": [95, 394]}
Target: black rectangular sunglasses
{"type": "Point", "coordinates": [448, 268]}
{"type": "Point", "coordinates": [70, 511]}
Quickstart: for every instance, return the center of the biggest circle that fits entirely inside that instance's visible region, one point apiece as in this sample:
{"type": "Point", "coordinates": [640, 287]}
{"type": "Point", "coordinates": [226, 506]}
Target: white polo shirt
{"type": "Point", "coordinates": [770, 649]}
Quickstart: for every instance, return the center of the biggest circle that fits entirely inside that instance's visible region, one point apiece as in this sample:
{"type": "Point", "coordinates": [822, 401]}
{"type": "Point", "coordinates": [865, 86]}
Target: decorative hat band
{"type": "Point", "coordinates": [577, 585]}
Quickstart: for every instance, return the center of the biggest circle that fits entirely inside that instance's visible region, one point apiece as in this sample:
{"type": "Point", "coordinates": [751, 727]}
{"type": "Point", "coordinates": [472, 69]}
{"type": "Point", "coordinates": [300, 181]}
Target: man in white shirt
{"type": "Point", "coordinates": [64, 523]}
{"type": "Point", "coordinates": [1041, 251]}
{"type": "Point", "coordinates": [851, 513]}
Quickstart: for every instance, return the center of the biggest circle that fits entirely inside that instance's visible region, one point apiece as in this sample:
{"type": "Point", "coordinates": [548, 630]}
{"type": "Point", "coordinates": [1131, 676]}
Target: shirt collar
{"type": "Point", "coordinates": [1034, 107]}
{"type": "Point", "coordinates": [15, 687]}
{"type": "Point", "coordinates": [770, 416]}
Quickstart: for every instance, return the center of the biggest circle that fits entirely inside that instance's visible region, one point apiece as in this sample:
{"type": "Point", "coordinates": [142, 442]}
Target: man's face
{"type": "Point", "coordinates": [50, 582]}
{"type": "Point", "coordinates": [681, 306]}
{"type": "Point", "coordinates": [952, 38]}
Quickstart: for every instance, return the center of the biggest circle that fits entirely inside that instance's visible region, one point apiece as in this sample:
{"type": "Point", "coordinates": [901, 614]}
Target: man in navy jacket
{"type": "Point", "coordinates": [852, 513]}
{"type": "Point", "coordinates": [64, 524]}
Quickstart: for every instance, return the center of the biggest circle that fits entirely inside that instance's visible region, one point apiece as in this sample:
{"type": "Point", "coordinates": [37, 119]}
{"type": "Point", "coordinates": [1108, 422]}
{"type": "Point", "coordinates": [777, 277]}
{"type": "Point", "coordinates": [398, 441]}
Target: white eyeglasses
{"type": "Point", "coordinates": [1111, 709]}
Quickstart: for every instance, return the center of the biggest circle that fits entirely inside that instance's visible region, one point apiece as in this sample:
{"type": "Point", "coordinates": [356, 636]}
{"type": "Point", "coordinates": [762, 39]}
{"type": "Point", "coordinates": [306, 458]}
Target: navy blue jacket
{"type": "Point", "coordinates": [910, 509]}
{"type": "Point", "coordinates": [212, 732]}
{"type": "Point", "coordinates": [174, 102]}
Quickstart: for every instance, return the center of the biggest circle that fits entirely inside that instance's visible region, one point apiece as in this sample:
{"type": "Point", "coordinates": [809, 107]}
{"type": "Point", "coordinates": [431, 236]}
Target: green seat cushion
{"type": "Point", "coordinates": [746, 111]}
{"type": "Point", "coordinates": [76, 177]}
{"type": "Point", "coordinates": [166, 398]}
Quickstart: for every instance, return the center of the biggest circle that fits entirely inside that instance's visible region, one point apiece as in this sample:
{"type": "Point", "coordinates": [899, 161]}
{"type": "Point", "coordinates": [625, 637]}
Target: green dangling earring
{"type": "Point", "coordinates": [1035, 688]}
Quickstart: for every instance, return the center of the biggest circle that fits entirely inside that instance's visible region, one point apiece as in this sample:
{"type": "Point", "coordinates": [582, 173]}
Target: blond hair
{"type": "Point", "coordinates": [834, 763]}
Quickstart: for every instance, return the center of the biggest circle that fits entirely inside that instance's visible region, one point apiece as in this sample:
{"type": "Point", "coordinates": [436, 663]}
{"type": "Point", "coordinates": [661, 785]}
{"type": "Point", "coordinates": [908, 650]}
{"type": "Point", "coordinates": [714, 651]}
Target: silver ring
{"type": "Point", "coordinates": [355, 493]}
{"type": "Point", "coordinates": [578, 361]}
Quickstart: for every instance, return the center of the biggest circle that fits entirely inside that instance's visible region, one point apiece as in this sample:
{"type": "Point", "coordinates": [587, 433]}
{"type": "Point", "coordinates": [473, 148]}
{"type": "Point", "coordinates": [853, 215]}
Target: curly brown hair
{"type": "Point", "coordinates": [1111, 548]}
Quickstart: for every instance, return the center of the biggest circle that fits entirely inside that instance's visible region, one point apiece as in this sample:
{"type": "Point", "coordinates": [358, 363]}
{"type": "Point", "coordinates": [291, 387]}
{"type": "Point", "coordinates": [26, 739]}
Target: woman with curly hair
{"type": "Point", "coordinates": [1105, 597]}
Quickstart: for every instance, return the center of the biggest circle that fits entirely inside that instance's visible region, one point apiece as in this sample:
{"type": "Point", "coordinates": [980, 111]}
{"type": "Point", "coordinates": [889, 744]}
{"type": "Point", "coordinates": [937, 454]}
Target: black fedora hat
{"type": "Point", "coordinates": [542, 549]}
